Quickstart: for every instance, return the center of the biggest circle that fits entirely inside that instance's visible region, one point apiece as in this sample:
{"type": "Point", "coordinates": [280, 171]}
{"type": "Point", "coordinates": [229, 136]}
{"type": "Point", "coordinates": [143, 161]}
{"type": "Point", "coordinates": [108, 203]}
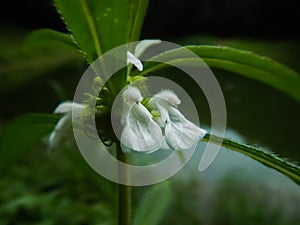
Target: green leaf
{"type": "Point", "coordinates": [21, 134]}
{"type": "Point", "coordinates": [153, 205]}
{"type": "Point", "coordinates": [97, 25]}
{"type": "Point", "coordinates": [241, 62]}
{"type": "Point", "coordinates": [138, 9]}
{"type": "Point", "coordinates": [46, 36]}
{"type": "Point", "coordinates": [267, 158]}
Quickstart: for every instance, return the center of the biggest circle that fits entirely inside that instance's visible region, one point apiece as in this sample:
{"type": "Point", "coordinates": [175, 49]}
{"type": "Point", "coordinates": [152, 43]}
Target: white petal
{"type": "Point", "coordinates": [59, 131]}
{"type": "Point", "coordinates": [161, 106]}
{"type": "Point", "coordinates": [164, 115]}
{"type": "Point", "coordinates": [141, 133]}
{"type": "Point", "coordinates": [67, 107]}
{"type": "Point", "coordinates": [181, 134]}
{"type": "Point", "coordinates": [135, 61]}
{"type": "Point", "coordinates": [143, 45]}
{"type": "Point", "coordinates": [132, 95]}
{"type": "Point", "coordinates": [125, 112]}
{"type": "Point", "coordinates": [168, 96]}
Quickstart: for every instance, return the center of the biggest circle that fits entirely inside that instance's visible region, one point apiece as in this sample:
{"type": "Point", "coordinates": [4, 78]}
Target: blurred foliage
{"type": "Point", "coordinates": [58, 191]}
{"type": "Point", "coordinates": [51, 70]}
{"type": "Point", "coordinates": [233, 200]}
{"type": "Point", "coordinates": [149, 212]}
{"type": "Point", "coordinates": [21, 64]}
{"type": "Point", "coordinates": [62, 191]}
{"type": "Point", "coordinates": [253, 203]}
{"type": "Point", "coordinates": [31, 128]}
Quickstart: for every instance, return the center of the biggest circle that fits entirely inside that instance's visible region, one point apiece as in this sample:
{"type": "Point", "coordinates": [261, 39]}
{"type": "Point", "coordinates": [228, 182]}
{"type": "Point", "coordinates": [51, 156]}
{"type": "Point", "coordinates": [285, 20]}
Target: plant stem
{"type": "Point", "coordinates": [124, 192]}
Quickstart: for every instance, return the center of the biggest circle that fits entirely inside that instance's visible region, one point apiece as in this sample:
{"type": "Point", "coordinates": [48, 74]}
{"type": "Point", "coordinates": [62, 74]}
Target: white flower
{"type": "Point", "coordinates": [64, 123]}
{"type": "Point", "coordinates": [171, 130]}
{"type": "Point", "coordinates": [140, 48]}
{"type": "Point", "coordinates": [131, 59]}
{"type": "Point", "coordinates": [140, 133]}
{"type": "Point", "coordinates": [68, 108]}
{"type": "Point", "coordinates": [179, 132]}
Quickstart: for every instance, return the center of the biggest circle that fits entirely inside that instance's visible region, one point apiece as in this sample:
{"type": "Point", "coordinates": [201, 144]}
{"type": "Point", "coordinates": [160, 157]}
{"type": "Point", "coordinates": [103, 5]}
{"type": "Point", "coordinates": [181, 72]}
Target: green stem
{"type": "Point", "coordinates": [267, 158]}
{"type": "Point", "coordinates": [124, 192]}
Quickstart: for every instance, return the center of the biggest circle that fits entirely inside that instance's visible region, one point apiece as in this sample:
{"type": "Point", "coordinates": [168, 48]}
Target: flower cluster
{"type": "Point", "coordinates": [168, 129]}
{"type": "Point", "coordinates": [64, 123]}
{"type": "Point", "coordinates": [67, 107]}
{"type": "Point", "coordinates": [158, 125]}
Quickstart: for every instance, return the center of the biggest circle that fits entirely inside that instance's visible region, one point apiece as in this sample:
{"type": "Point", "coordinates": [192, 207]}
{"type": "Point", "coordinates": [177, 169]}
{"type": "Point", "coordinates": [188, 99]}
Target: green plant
{"type": "Point", "coordinates": [97, 26]}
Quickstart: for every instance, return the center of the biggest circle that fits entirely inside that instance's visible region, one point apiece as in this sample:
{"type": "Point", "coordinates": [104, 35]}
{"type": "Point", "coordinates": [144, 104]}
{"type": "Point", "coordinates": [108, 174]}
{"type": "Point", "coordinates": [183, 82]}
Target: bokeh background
{"type": "Point", "coordinates": [59, 188]}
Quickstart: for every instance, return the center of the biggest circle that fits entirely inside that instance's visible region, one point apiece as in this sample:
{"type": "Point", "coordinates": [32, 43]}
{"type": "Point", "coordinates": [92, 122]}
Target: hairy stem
{"type": "Point", "coordinates": [124, 192]}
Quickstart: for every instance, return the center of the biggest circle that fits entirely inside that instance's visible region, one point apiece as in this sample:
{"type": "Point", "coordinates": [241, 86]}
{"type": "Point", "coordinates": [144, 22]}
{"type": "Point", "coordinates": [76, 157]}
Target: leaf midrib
{"type": "Point", "coordinates": [92, 27]}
